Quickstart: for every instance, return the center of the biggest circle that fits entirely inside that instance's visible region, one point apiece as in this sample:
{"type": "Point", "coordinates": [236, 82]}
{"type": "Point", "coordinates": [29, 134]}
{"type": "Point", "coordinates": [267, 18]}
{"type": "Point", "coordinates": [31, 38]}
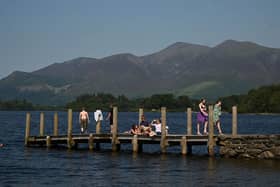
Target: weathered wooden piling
{"type": "Point", "coordinates": [42, 123]}
{"type": "Point", "coordinates": [115, 142]}
{"type": "Point", "coordinates": [48, 141]}
{"type": "Point", "coordinates": [184, 145]}
{"type": "Point", "coordinates": [69, 131]}
{"type": "Point", "coordinates": [211, 142]}
{"type": "Point", "coordinates": [189, 121]}
{"type": "Point", "coordinates": [163, 142]}
{"type": "Point", "coordinates": [141, 112]}
{"type": "Point", "coordinates": [91, 142]}
{"type": "Point", "coordinates": [27, 128]}
{"type": "Point", "coordinates": [234, 120]}
{"type": "Point", "coordinates": [135, 144]}
{"type": "Point", "coordinates": [55, 124]}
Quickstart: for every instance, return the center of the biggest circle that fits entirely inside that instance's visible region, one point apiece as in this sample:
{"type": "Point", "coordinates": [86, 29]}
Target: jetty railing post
{"type": "Point", "coordinates": [42, 123]}
{"type": "Point", "coordinates": [141, 112]}
{"type": "Point", "coordinates": [55, 124]}
{"type": "Point", "coordinates": [98, 126]}
{"type": "Point", "coordinates": [211, 142]}
{"type": "Point", "coordinates": [98, 131]}
{"type": "Point", "coordinates": [163, 142]}
{"type": "Point", "coordinates": [27, 128]}
{"type": "Point", "coordinates": [69, 131]}
{"type": "Point", "coordinates": [115, 147]}
{"type": "Point", "coordinates": [189, 121]}
{"type": "Point", "coordinates": [234, 120]}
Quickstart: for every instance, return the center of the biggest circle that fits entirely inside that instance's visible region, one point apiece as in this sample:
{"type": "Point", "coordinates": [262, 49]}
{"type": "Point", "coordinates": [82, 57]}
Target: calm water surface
{"type": "Point", "coordinates": [21, 166]}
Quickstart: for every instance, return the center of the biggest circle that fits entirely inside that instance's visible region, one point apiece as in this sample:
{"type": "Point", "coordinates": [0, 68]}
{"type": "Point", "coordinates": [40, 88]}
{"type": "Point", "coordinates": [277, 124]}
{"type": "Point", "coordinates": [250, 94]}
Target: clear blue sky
{"type": "Point", "coordinates": [37, 33]}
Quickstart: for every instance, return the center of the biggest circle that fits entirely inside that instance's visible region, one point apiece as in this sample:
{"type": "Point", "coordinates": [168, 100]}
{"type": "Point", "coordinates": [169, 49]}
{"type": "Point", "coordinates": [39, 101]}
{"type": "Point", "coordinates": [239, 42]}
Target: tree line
{"type": "Point", "coordinates": [154, 102]}
{"type": "Point", "coordinates": [265, 99]}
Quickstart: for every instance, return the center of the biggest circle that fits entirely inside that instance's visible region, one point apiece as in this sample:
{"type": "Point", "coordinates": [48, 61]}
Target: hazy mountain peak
{"type": "Point", "coordinates": [235, 43]}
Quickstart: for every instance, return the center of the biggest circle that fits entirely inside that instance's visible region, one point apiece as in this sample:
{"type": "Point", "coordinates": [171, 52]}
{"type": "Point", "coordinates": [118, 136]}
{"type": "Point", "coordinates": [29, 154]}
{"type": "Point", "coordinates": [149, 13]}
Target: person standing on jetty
{"type": "Point", "coordinates": [202, 117]}
{"type": "Point", "coordinates": [110, 117]}
{"type": "Point", "coordinates": [84, 120]}
{"type": "Point", "coordinates": [217, 112]}
{"type": "Point", "coordinates": [98, 116]}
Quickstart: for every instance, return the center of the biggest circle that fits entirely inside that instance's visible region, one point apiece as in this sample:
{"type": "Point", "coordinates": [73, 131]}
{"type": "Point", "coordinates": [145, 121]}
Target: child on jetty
{"type": "Point", "coordinates": [216, 115]}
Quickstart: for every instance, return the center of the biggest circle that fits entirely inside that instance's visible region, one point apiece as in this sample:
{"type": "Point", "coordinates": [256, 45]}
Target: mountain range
{"type": "Point", "coordinates": [232, 67]}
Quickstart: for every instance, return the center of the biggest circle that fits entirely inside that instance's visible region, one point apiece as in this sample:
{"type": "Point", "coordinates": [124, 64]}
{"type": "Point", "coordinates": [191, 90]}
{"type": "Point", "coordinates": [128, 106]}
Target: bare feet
{"type": "Point", "coordinates": [199, 134]}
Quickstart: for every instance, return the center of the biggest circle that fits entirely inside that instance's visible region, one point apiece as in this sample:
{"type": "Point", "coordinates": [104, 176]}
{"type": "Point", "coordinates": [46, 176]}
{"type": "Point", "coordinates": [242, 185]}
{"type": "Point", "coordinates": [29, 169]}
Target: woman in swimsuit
{"type": "Point", "coordinates": [202, 117]}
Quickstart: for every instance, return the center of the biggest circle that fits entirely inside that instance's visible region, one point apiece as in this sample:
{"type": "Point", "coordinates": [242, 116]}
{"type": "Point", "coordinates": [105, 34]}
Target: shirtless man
{"type": "Point", "coordinates": [84, 120]}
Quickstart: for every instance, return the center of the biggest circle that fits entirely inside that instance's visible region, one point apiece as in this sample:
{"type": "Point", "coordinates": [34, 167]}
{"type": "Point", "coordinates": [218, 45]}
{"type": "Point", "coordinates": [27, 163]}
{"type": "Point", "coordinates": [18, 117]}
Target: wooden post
{"type": "Point", "coordinates": [184, 145]}
{"type": "Point", "coordinates": [91, 142]}
{"type": "Point", "coordinates": [234, 120]}
{"type": "Point", "coordinates": [115, 147]}
{"type": "Point", "coordinates": [98, 131]}
{"type": "Point", "coordinates": [211, 142]}
{"type": "Point", "coordinates": [69, 131]}
{"type": "Point", "coordinates": [141, 112]}
{"type": "Point", "coordinates": [98, 126]}
{"type": "Point", "coordinates": [189, 124]}
{"type": "Point", "coordinates": [27, 128]}
{"type": "Point", "coordinates": [48, 141]}
{"type": "Point", "coordinates": [55, 124]}
{"type": "Point", "coordinates": [42, 124]}
{"type": "Point", "coordinates": [163, 130]}
{"type": "Point", "coordinates": [135, 144]}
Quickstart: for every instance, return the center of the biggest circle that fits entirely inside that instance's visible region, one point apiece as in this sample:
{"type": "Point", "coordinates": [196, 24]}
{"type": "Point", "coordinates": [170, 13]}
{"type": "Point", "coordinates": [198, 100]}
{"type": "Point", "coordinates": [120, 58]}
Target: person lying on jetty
{"type": "Point", "coordinates": [202, 117]}
{"type": "Point", "coordinates": [217, 112]}
{"type": "Point", "coordinates": [84, 120]}
{"type": "Point", "coordinates": [135, 130]}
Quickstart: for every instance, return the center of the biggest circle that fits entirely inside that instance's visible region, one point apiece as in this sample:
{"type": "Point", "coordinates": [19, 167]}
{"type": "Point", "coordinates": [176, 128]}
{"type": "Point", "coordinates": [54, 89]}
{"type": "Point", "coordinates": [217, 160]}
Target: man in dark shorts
{"type": "Point", "coordinates": [110, 117]}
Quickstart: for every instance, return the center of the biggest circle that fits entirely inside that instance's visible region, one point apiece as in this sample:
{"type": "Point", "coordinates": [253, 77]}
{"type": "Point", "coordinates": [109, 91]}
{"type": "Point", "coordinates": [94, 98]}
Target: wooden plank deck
{"type": "Point", "coordinates": [172, 139]}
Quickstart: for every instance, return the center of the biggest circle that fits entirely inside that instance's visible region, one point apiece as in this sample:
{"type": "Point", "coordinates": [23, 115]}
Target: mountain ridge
{"type": "Point", "coordinates": [231, 67]}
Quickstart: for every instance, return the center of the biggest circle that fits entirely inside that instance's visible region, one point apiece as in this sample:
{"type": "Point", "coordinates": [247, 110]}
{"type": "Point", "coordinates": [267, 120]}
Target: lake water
{"type": "Point", "coordinates": [20, 166]}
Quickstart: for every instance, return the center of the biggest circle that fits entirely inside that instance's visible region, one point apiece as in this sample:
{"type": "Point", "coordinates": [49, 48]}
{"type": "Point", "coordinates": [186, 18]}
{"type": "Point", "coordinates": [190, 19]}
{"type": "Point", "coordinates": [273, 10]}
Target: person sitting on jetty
{"type": "Point", "coordinates": [202, 117]}
{"type": "Point", "coordinates": [157, 124]}
{"type": "Point", "coordinates": [143, 122]}
{"type": "Point", "coordinates": [135, 130]}
{"type": "Point", "coordinates": [144, 125]}
{"type": "Point", "coordinates": [84, 120]}
{"type": "Point", "coordinates": [217, 112]}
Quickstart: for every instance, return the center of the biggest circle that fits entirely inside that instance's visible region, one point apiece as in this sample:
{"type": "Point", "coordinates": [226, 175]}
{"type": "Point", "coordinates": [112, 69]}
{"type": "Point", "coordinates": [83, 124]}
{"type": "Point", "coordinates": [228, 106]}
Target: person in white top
{"type": "Point", "coordinates": [84, 120]}
{"type": "Point", "coordinates": [98, 116]}
{"type": "Point", "coordinates": [157, 124]}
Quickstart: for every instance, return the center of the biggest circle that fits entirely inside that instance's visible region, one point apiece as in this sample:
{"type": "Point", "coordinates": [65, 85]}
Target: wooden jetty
{"type": "Point", "coordinates": [185, 140]}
